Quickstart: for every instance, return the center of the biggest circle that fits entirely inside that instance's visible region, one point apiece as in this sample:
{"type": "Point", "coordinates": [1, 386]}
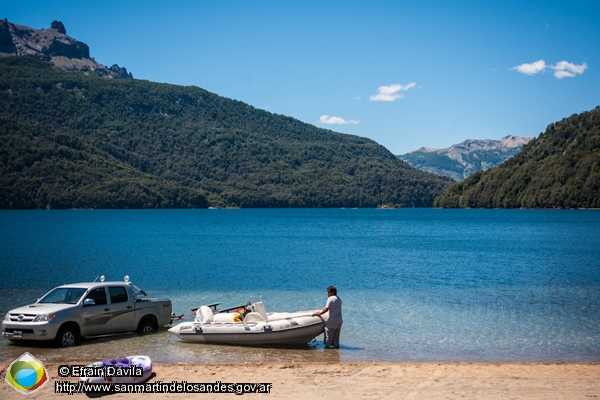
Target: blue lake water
{"type": "Point", "coordinates": [416, 284]}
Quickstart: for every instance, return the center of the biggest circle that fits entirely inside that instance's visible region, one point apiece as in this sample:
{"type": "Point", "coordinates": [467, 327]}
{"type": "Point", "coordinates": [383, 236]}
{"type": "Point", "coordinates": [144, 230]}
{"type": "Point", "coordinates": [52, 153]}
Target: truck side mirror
{"type": "Point", "coordinates": [89, 302]}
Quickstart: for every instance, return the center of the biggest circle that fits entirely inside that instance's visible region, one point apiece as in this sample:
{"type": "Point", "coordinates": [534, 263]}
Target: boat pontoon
{"type": "Point", "coordinates": [251, 325]}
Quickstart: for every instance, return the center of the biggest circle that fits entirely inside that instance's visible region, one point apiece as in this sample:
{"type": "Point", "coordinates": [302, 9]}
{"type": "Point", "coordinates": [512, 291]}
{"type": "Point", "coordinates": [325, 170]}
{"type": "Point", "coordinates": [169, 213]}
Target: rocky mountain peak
{"type": "Point", "coordinates": [59, 27]}
{"type": "Point", "coordinates": [515, 141]}
{"type": "Point", "coordinates": [463, 159]}
{"type": "Point", "coordinates": [54, 46]}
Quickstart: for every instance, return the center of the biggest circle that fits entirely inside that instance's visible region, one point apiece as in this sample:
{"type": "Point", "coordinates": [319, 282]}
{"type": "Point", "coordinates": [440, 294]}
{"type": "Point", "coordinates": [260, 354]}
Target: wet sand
{"type": "Point", "coordinates": [364, 380]}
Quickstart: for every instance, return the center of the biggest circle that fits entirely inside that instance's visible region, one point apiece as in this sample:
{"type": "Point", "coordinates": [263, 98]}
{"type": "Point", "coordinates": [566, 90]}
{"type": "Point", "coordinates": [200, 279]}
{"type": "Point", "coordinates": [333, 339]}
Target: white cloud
{"type": "Point", "coordinates": [327, 120]}
{"type": "Point", "coordinates": [561, 69]}
{"type": "Point", "coordinates": [565, 69]}
{"type": "Point", "coordinates": [531, 69]}
{"type": "Point", "coordinates": [391, 92]}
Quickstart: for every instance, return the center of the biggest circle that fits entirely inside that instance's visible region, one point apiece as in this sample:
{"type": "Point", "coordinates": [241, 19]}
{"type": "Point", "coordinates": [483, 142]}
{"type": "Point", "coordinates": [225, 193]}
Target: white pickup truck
{"type": "Point", "coordinates": [70, 312]}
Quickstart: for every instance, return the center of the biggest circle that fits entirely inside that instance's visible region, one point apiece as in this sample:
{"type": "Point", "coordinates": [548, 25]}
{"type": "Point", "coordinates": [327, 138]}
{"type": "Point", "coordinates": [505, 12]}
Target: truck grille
{"type": "Point", "coordinates": [25, 331]}
{"type": "Point", "coordinates": [23, 317]}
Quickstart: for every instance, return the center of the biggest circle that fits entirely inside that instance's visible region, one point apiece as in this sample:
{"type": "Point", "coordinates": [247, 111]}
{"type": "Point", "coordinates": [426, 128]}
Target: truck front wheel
{"type": "Point", "coordinates": [67, 336]}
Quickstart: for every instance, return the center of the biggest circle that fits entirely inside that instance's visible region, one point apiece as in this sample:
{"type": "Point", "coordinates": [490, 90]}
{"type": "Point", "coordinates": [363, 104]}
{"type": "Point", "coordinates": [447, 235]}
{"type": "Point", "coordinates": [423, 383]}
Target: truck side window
{"type": "Point", "coordinates": [117, 294]}
{"type": "Point", "coordinates": [99, 296]}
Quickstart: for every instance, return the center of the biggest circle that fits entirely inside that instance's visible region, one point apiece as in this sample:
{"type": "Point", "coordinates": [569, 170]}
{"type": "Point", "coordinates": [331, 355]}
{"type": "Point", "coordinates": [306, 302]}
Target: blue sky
{"type": "Point", "coordinates": [405, 74]}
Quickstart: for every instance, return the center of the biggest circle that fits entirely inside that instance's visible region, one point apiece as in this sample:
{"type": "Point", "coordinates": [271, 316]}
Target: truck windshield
{"type": "Point", "coordinates": [63, 296]}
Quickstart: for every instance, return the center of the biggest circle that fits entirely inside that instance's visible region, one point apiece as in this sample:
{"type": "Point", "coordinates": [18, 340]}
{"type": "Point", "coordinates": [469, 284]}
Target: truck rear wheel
{"type": "Point", "coordinates": [147, 325]}
{"type": "Point", "coordinates": [67, 336]}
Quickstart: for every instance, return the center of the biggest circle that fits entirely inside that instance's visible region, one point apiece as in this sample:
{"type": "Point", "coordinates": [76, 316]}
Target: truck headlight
{"type": "Point", "coordinates": [7, 317]}
{"type": "Point", "coordinates": [44, 317]}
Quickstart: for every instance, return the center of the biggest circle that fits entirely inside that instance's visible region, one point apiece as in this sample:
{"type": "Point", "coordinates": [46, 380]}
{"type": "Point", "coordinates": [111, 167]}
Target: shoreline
{"type": "Point", "coordinates": [367, 379]}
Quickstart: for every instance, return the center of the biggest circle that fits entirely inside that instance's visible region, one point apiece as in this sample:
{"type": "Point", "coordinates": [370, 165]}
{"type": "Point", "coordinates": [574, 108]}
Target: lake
{"type": "Point", "coordinates": [416, 284]}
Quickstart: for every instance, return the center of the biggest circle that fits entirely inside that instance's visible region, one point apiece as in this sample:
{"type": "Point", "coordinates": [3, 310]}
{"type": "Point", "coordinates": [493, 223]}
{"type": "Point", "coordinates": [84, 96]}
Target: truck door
{"type": "Point", "coordinates": [96, 316]}
{"type": "Point", "coordinates": [121, 308]}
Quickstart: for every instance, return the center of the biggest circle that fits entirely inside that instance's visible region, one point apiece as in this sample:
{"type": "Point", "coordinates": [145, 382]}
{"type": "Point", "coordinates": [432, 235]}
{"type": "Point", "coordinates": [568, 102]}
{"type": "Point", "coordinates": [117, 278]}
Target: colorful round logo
{"type": "Point", "coordinates": [26, 374]}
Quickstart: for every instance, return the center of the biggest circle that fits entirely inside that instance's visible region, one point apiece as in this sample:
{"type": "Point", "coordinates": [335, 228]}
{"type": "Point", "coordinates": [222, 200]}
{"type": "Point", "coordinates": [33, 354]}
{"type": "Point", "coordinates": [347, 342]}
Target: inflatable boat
{"type": "Point", "coordinates": [133, 369]}
{"type": "Point", "coordinates": [251, 326]}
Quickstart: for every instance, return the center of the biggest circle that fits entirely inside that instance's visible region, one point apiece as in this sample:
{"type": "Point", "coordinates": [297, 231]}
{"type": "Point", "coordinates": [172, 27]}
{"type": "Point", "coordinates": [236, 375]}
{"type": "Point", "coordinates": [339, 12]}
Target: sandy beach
{"type": "Point", "coordinates": [366, 380]}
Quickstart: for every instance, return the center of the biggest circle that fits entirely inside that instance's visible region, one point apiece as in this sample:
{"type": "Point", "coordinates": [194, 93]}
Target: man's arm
{"type": "Point", "coordinates": [323, 311]}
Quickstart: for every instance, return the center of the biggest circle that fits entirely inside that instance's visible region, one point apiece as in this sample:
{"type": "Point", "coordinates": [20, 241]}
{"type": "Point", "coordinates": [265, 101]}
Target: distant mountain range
{"type": "Point", "coordinates": [464, 159]}
{"type": "Point", "coordinates": [559, 169]}
{"type": "Point", "coordinates": [54, 46]}
{"type": "Point", "coordinates": [77, 134]}
{"type": "Point", "coordinates": [79, 140]}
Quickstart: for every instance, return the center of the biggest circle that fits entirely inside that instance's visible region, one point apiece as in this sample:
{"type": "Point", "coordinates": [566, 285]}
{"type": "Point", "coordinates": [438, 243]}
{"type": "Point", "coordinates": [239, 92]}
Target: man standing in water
{"type": "Point", "coordinates": [334, 322]}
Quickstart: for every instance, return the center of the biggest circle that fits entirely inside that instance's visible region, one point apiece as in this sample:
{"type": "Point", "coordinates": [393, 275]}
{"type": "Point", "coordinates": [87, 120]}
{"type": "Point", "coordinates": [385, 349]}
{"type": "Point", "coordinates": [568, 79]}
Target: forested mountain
{"type": "Point", "coordinates": [464, 159]}
{"type": "Point", "coordinates": [70, 140]}
{"type": "Point", "coordinates": [560, 169]}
